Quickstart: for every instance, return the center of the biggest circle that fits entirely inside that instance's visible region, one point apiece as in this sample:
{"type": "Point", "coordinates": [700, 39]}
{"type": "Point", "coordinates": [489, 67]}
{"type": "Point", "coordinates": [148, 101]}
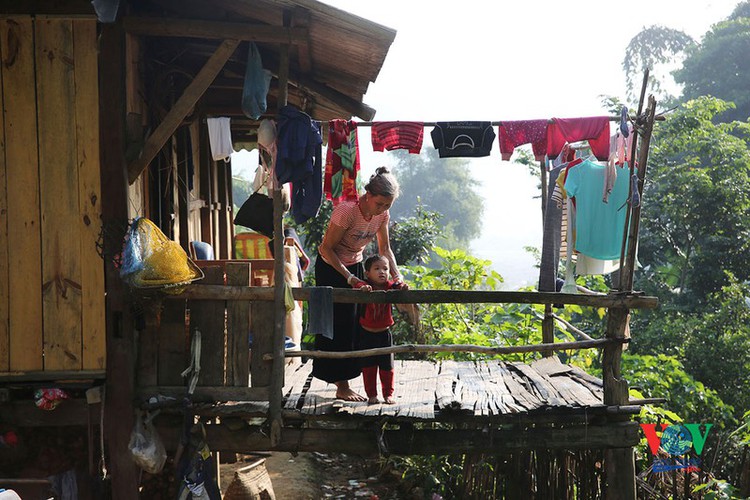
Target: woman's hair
{"type": "Point", "coordinates": [373, 259]}
{"type": "Point", "coordinates": [382, 183]}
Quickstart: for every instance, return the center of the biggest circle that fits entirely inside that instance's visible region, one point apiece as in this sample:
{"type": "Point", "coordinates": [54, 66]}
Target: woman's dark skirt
{"type": "Point", "coordinates": [345, 324]}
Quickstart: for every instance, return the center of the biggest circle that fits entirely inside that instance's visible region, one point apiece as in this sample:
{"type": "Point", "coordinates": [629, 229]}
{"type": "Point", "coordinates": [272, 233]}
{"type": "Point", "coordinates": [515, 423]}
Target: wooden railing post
{"type": "Point", "coordinates": [277, 378]}
{"type": "Point", "coordinates": [619, 462]}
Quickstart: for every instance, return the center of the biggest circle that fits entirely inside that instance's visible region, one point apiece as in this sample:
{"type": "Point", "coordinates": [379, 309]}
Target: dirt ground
{"type": "Point", "coordinates": [319, 475]}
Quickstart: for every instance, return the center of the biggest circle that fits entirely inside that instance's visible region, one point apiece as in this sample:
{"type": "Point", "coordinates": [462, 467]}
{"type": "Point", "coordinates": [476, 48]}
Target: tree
{"type": "Point", "coordinates": [695, 221]}
{"type": "Point", "coordinates": [658, 49]}
{"type": "Point", "coordinates": [719, 66]}
{"type": "Point", "coordinates": [444, 186]}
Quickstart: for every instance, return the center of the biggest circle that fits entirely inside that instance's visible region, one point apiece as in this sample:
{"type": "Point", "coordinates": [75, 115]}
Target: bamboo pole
{"type": "Point", "coordinates": [628, 269]}
{"type": "Point", "coordinates": [424, 348]}
{"type": "Point", "coordinates": [572, 328]}
{"type": "Point", "coordinates": [634, 148]}
{"type": "Point", "coordinates": [348, 296]}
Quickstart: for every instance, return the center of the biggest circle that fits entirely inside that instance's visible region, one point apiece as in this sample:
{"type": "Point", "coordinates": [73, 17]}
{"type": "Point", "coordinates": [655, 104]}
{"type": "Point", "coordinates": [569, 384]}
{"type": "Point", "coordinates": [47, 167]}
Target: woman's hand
{"type": "Point", "coordinates": [357, 283]}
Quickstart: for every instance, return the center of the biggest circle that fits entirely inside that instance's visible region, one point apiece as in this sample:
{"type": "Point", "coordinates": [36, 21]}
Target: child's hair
{"type": "Point", "coordinates": [372, 259]}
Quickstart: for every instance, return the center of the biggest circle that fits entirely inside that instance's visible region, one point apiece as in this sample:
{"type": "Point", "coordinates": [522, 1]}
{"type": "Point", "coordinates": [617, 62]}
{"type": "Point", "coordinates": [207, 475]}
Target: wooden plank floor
{"type": "Point", "coordinates": [424, 389]}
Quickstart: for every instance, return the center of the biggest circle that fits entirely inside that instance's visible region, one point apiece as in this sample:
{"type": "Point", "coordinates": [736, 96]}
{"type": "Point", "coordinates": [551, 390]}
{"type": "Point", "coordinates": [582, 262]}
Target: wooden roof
{"type": "Point", "coordinates": [333, 55]}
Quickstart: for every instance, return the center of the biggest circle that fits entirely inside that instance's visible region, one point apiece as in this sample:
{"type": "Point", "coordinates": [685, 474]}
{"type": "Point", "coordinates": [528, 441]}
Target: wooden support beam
{"type": "Point", "coordinates": [119, 391]}
{"type": "Point", "coordinates": [347, 296]}
{"type": "Point", "coordinates": [182, 108]}
{"type": "Point", "coordinates": [206, 394]}
{"type": "Point", "coordinates": [279, 309]}
{"type": "Point", "coordinates": [301, 19]}
{"type": "Point", "coordinates": [51, 376]}
{"type": "Point", "coordinates": [69, 412]}
{"type": "Point", "coordinates": [415, 442]}
{"type": "Point", "coordinates": [347, 103]}
{"type": "Point", "coordinates": [214, 30]}
{"type": "Point", "coordinates": [619, 464]}
{"type": "Point", "coordinates": [397, 349]}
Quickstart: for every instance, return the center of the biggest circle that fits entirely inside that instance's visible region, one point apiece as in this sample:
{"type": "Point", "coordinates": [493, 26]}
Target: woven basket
{"type": "Point", "coordinates": [251, 483]}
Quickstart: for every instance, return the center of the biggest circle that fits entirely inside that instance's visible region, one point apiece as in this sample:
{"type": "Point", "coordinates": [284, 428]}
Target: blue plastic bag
{"type": "Point", "coordinates": [255, 87]}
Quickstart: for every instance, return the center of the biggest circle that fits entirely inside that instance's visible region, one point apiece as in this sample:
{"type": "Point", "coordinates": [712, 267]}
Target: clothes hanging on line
{"type": "Point", "coordinates": [620, 146]}
{"type": "Point", "coordinates": [299, 161]}
{"type": "Point", "coordinates": [342, 161]}
{"type": "Point", "coordinates": [551, 237]}
{"type": "Point", "coordinates": [220, 137]}
{"type": "Point", "coordinates": [512, 134]}
{"type": "Point", "coordinates": [593, 129]}
{"type": "Point", "coordinates": [599, 226]}
{"type": "Point", "coordinates": [389, 136]}
{"type": "Point", "coordinates": [468, 139]}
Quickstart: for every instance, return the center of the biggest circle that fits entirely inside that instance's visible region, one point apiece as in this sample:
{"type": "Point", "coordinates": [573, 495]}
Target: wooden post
{"type": "Point", "coordinates": [119, 393]}
{"type": "Point", "coordinates": [619, 462]}
{"type": "Point", "coordinates": [633, 150]}
{"type": "Point", "coordinates": [628, 268]}
{"type": "Point", "coordinates": [277, 378]}
{"type": "Point", "coordinates": [548, 322]}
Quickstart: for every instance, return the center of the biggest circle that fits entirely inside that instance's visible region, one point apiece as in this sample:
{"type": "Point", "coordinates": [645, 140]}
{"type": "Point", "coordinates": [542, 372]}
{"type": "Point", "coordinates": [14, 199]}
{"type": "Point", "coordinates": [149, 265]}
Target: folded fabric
{"type": "Point", "coordinates": [320, 319]}
{"type": "Point", "coordinates": [220, 137]}
{"type": "Point", "coordinates": [397, 135]}
{"type": "Point", "coordinates": [342, 162]}
{"type": "Point", "coordinates": [463, 139]}
{"type": "Point", "coordinates": [512, 134]}
{"type": "Point", "coordinates": [594, 129]}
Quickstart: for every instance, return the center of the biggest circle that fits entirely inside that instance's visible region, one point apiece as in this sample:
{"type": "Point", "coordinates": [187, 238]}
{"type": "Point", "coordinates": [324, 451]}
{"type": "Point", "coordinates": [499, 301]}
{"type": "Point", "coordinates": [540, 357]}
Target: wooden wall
{"type": "Point", "coordinates": [51, 274]}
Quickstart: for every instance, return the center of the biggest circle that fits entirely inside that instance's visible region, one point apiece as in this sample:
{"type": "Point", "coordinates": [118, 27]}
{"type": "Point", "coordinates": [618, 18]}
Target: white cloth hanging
{"type": "Point", "coordinates": [220, 137]}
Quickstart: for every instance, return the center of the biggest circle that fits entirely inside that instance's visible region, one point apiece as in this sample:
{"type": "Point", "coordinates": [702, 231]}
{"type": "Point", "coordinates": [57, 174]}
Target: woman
{"type": "Point", "coordinates": [353, 225]}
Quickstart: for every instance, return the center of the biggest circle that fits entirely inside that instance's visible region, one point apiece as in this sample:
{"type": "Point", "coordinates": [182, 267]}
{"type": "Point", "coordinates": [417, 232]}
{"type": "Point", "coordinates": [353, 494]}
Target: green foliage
{"type": "Point", "coordinates": [413, 237]}
{"type": "Point", "coordinates": [717, 350]}
{"type": "Point", "coordinates": [444, 186]}
{"type": "Point", "coordinates": [661, 376]}
{"type": "Point", "coordinates": [312, 231]}
{"type": "Point", "coordinates": [695, 220]}
{"type": "Point", "coordinates": [719, 66]}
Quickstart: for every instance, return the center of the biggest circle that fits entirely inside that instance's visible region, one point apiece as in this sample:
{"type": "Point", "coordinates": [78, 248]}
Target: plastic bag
{"type": "Point", "coordinates": [146, 446]}
{"type": "Point", "coordinates": [257, 214]}
{"type": "Point", "coordinates": [49, 399]}
{"type": "Point", "coordinates": [256, 85]}
{"type": "Point", "coordinates": [150, 259]}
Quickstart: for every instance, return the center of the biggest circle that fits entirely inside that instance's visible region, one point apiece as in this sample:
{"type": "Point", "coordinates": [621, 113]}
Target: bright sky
{"type": "Point", "coordinates": [482, 60]}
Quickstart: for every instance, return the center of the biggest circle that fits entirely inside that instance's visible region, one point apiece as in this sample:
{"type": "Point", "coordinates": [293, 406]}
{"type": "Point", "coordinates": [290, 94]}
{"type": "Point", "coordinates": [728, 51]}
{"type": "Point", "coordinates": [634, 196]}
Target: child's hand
{"type": "Point", "coordinates": [400, 285]}
{"type": "Point", "coordinates": [361, 285]}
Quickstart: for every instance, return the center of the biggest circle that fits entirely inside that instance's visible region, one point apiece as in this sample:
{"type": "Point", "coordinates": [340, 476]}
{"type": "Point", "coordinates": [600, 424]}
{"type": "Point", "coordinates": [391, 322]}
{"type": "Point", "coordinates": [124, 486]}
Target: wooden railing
{"type": "Point", "coordinates": [249, 309]}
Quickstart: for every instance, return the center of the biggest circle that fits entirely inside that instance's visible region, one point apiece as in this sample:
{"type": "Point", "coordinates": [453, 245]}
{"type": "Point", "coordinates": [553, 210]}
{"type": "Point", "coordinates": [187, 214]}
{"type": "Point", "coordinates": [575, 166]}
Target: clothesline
{"type": "Point", "coordinates": [493, 123]}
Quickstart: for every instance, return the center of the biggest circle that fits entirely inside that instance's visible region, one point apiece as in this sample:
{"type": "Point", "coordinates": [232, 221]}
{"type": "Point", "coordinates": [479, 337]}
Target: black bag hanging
{"type": "Point", "coordinates": [257, 214]}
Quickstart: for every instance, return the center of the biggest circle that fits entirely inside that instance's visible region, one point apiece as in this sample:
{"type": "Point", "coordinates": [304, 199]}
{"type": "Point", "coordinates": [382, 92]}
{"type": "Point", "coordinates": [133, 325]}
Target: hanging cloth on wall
{"type": "Point", "coordinates": [397, 135]}
{"type": "Point", "coordinates": [220, 138]}
{"type": "Point", "coordinates": [463, 139]}
{"type": "Point", "coordinates": [342, 161]}
{"type": "Point", "coordinates": [255, 87]}
{"type": "Point", "coordinates": [512, 134]}
{"type": "Point", "coordinates": [594, 129]}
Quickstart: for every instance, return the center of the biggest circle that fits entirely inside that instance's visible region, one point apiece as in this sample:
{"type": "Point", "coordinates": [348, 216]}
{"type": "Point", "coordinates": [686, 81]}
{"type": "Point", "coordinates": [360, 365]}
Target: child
{"type": "Point", "coordinates": [375, 322]}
